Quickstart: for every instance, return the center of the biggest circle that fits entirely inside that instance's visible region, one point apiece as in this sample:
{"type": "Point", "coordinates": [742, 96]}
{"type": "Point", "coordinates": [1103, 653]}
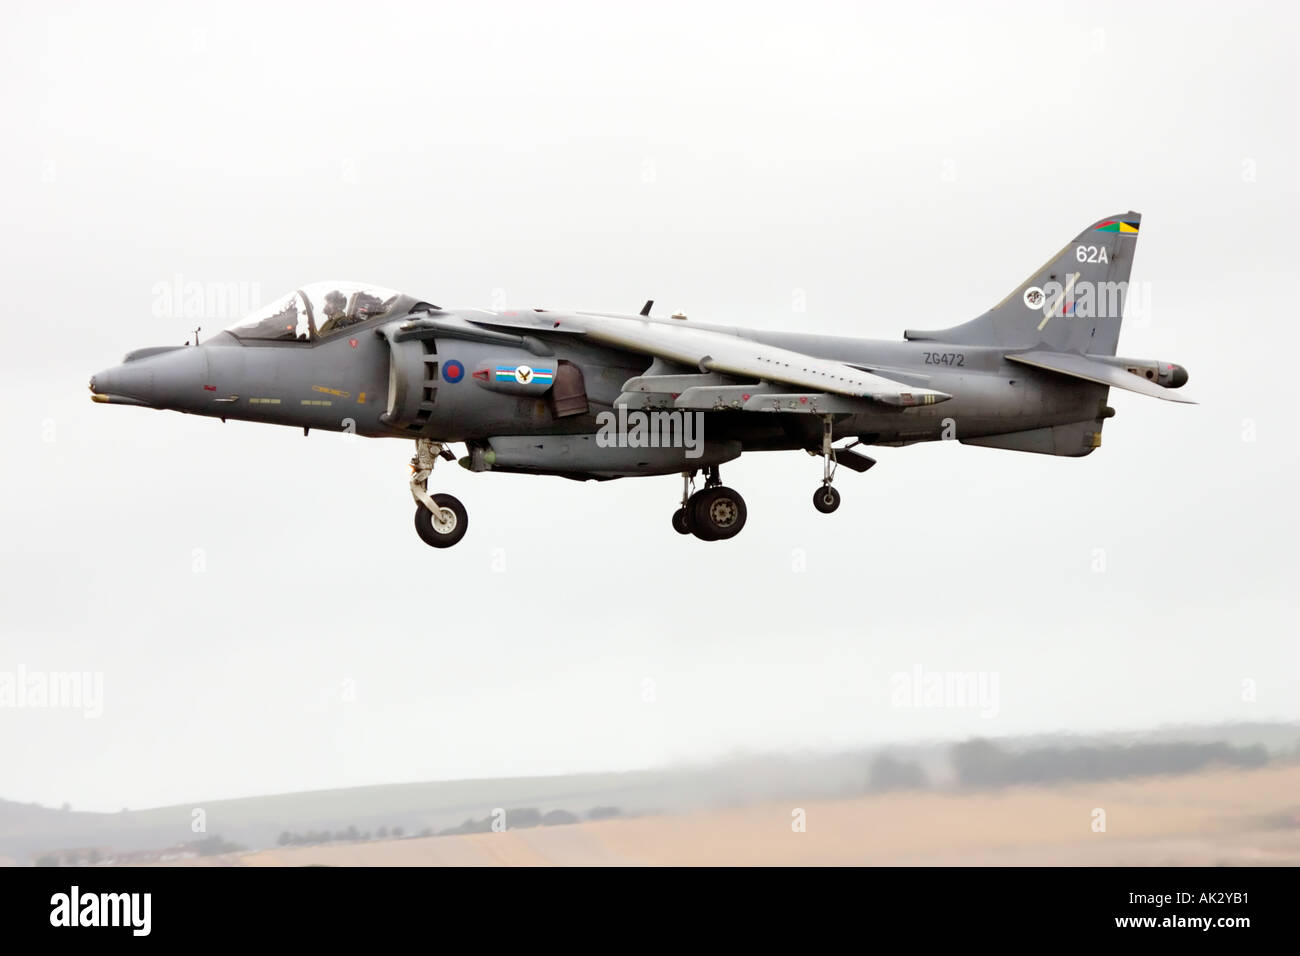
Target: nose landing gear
{"type": "Point", "coordinates": [440, 520]}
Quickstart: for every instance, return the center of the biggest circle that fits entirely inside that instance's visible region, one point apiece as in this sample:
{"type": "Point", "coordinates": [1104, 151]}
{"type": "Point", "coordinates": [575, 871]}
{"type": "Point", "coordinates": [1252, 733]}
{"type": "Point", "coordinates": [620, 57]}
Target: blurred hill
{"type": "Point", "coordinates": [466, 806]}
{"type": "Point", "coordinates": [1224, 817]}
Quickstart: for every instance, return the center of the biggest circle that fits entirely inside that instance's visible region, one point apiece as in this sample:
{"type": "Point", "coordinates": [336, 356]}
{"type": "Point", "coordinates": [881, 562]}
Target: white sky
{"type": "Point", "coordinates": [893, 166]}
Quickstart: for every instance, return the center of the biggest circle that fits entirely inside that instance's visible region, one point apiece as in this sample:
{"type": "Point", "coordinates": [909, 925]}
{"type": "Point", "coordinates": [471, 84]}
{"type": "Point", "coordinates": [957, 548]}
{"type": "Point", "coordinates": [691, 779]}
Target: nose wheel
{"type": "Point", "coordinates": [444, 527]}
{"type": "Point", "coordinates": [440, 520]}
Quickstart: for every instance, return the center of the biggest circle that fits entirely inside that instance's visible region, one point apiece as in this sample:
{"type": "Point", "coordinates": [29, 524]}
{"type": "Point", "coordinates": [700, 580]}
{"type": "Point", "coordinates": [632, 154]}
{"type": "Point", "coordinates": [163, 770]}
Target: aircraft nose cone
{"type": "Point", "coordinates": [123, 382]}
{"type": "Point", "coordinates": [156, 379]}
{"type": "Point", "coordinates": [1180, 377]}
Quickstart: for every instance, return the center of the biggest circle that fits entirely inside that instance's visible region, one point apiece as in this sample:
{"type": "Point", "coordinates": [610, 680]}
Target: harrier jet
{"type": "Point", "coordinates": [596, 395]}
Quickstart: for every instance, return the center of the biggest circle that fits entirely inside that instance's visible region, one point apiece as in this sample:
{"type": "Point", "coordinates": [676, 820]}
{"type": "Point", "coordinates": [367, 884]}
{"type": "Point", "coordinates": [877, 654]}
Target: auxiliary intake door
{"type": "Point", "coordinates": [569, 396]}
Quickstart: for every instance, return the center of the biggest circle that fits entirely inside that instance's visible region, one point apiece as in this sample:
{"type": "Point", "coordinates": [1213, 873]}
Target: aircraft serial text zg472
{"type": "Point", "coordinates": [597, 395]}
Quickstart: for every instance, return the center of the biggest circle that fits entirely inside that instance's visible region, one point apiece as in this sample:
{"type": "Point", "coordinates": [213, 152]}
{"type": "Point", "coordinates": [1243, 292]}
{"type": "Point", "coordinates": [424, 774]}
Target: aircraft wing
{"type": "Point", "coordinates": [711, 350]}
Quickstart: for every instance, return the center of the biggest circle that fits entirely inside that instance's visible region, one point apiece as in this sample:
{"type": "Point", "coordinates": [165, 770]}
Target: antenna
{"type": "Point", "coordinates": [196, 334]}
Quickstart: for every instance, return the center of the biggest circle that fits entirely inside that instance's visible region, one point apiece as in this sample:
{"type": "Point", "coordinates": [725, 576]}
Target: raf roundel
{"type": "Point", "coordinates": [453, 371]}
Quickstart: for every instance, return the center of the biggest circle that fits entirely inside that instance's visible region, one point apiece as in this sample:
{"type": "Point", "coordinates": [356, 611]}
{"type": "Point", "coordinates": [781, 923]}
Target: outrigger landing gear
{"type": "Point", "coordinates": [440, 520]}
{"type": "Point", "coordinates": [714, 513]}
{"type": "Point", "coordinates": [826, 499]}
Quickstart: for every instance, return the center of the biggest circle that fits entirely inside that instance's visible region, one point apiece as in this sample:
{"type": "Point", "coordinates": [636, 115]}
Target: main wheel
{"type": "Point", "coordinates": [682, 521]}
{"type": "Point", "coordinates": [700, 531]}
{"type": "Point", "coordinates": [826, 499]}
{"type": "Point", "coordinates": [717, 514]}
{"type": "Point", "coordinates": [445, 528]}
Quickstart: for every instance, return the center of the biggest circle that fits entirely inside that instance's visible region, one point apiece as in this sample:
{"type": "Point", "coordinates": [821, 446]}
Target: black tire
{"type": "Point", "coordinates": [826, 499]}
{"type": "Point", "coordinates": [449, 530]}
{"type": "Point", "coordinates": [702, 533]}
{"type": "Point", "coordinates": [718, 514]}
{"type": "Point", "coordinates": [681, 521]}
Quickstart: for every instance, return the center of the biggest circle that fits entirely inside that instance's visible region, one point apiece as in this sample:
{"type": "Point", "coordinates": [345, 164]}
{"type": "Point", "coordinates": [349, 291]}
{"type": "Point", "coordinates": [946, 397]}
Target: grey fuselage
{"type": "Point", "coordinates": [351, 382]}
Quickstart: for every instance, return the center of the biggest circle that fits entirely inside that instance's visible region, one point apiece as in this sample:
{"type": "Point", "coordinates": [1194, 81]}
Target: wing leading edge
{"type": "Point", "coordinates": [713, 351]}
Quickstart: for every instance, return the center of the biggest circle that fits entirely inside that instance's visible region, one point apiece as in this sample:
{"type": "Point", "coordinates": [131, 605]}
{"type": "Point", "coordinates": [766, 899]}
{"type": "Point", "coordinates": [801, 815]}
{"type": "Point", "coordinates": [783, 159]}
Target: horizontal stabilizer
{"type": "Point", "coordinates": [1080, 366]}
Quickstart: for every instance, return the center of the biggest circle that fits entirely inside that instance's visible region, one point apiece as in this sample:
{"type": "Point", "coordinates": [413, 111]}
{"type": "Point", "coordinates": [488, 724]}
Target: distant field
{"type": "Point", "coordinates": [1235, 818]}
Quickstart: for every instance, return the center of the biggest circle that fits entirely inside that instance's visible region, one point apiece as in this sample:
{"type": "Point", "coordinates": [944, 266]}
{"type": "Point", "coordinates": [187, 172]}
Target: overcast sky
{"type": "Point", "coordinates": [263, 615]}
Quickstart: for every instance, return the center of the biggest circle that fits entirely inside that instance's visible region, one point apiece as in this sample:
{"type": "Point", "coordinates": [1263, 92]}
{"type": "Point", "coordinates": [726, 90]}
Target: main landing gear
{"type": "Point", "coordinates": [714, 513]}
{"type": "Point", "coordinates": [440, 520]}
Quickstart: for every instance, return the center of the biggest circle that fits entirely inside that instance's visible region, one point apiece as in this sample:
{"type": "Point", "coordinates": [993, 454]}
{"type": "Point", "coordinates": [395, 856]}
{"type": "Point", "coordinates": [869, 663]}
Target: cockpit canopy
{"type": "Point", "coordinates": [316, 311]}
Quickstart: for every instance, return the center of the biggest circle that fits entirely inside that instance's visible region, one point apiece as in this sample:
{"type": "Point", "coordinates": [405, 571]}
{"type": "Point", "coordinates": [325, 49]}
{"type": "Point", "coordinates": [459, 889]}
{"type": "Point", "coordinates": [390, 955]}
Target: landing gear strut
{"type": "Point", "coordinates": [715, 513]}
{"type": "Point", "coordinates": [440, 520]}
{"type": "Point", "coordinates": [826, 499]}
{"type": "Point", "coordinates": [682, 516]}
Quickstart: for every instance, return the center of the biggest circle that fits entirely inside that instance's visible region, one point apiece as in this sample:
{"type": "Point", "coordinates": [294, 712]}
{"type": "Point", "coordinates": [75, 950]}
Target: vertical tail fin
{"type": "Point", "coordinates": [1074, 303]}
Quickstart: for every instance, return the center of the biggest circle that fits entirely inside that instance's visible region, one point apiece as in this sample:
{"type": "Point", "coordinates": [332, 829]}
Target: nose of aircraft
{"type": "Point", "coordinates": [122, 385]}
{"type": "Point", "coordinates": [166, 377]}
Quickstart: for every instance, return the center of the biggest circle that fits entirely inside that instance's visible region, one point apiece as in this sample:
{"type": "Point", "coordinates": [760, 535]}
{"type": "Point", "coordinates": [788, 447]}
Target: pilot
{"type": "Point", "coordinates": [335, 311]}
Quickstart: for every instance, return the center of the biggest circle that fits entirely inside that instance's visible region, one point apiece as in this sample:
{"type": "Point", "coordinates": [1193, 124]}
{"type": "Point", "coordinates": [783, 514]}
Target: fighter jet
{"type": "Point", "coordinates": [596, 395]}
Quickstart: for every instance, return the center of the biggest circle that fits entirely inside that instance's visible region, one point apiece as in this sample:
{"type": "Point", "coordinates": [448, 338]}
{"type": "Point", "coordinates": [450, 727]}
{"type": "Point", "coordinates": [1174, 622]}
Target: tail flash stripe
{"type": "Point", "coordinates": [1051, 310]}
